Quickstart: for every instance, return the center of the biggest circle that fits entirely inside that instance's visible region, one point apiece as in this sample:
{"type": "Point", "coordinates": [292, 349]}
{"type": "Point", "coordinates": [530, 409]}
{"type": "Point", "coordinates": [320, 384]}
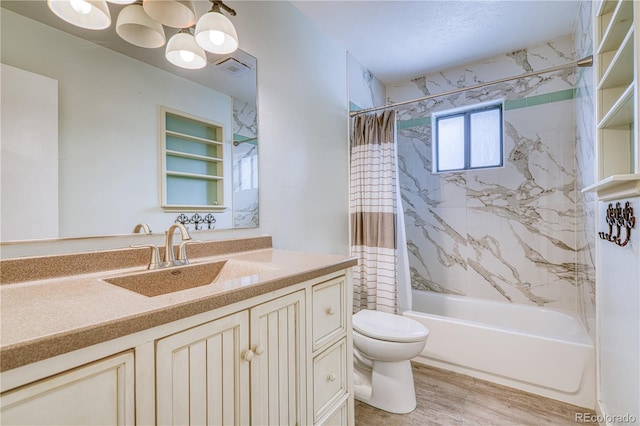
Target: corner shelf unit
{"type": "Point", "coordinates": [192, 154]}
{"type": "Point", "coordinates": [616, 78]}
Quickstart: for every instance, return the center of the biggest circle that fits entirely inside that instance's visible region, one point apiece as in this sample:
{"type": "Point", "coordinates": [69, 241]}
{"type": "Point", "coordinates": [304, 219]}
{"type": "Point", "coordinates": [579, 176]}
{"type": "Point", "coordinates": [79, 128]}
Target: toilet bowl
{"type": "Point", "coordinates": [383, 346]}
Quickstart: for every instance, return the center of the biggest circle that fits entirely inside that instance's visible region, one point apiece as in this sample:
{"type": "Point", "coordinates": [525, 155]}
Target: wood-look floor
{"type": "Point", "coordinates": [447, 398]}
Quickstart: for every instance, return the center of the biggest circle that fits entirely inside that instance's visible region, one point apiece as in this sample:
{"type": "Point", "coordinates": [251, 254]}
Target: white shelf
{"type": "Point", "coordinates": [616, 99]}
{"type": "Point", "coordinates": [193, 156]}
{"type": "Point", "coordinates": [193, 138]}
{"type": "Point", "coordinates": [621, 113]}
{"type": "Point", "coordinates": [616, 186]}
{"type": "Point", "coordinates": [193, 208]}
{"type": "Point", "coordinates": [618, 26]}
{"type": "Point", "coordinates": [606, 6]}
{"type": "Point", "coordinates": [194, 176]}
{"type": "Point", "coordinates": [620, 70]}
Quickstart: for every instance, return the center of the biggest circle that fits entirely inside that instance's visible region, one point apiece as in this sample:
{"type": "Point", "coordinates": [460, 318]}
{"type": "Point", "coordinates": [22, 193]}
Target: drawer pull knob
{"type": "Point", "coordinates": [330, 311]}
{"type": "Point", "coordinates": [331, 377]}
{"type": "Point", "coordinates": [258, 349]}
{"type": "Point", "coordinates": [247, 355]}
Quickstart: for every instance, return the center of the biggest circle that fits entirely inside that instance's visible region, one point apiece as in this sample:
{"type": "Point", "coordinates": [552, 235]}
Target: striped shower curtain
{"type": "Point", "coordinates": [373, 212]}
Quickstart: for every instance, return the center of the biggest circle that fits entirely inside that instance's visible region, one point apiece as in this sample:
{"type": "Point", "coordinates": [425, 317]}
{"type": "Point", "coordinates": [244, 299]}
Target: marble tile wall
{"type": "Point", "coordinates": [586, 205]}
{"type": "Point", "coordinates": [505, 233]}
{"type": "Point", "coordinates": [245, 165]}
{"type": "Point", "coordinates": [365, 89]}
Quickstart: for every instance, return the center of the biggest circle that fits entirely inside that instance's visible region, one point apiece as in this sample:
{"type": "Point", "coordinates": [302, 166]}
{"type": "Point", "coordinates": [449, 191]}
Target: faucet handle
{"type": "Point", "coordinates": [182, 251]}
{"type": "Point", "coordinates": [154, 261]}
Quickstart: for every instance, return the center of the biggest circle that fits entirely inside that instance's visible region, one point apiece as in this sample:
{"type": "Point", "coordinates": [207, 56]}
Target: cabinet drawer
{"type": "Point", "coordinates": [339, 417]}
{"type": "Point", "coordinates": [93, 394]}
{"type": "Point", "coordinates": [329, 315]}
{"type": "Point", "coordinates": [329, 378]}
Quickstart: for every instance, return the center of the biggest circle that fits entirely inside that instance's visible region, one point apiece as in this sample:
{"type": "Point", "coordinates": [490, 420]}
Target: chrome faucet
{"type": "Point", "coordinates": [169, 256]}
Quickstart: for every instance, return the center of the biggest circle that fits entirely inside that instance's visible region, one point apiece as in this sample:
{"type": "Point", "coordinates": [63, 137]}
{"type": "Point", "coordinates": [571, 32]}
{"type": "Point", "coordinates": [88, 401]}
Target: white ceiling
{"type": "Point", "coordinates": [397, 40]}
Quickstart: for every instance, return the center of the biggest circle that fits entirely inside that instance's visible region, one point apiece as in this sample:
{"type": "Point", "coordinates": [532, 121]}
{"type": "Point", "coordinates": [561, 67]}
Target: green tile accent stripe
{"type": "Point", "coordinates": [240, 138]}
{"type": "Point", "coordinates": [547, 98]}
{"type": "Point", "coordinates": [415, 122]}
{"type": "Point", "coordinates": [562, 95]}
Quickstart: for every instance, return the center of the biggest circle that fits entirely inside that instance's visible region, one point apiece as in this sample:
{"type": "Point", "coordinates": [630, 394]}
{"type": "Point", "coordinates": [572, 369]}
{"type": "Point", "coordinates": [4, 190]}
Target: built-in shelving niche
{"type": "Point", "coordinates": [192, 163]}
{"type": "Point", "coordinates": [616, 100]}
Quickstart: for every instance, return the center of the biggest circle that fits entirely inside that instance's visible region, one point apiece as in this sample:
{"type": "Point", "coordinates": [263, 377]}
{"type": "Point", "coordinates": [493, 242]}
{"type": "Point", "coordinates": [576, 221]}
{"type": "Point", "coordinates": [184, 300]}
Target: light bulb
{"type": "Point", "coordinates": [216, 37]}
{"type": "Point", "coordinates": [81, 6]}
{"type": "Point", "coordinates": [187, 56]}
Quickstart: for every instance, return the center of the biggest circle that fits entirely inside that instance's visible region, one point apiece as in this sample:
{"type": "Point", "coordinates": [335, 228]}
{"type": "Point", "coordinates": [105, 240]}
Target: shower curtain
{"type": "Point", "coordinates": [376, 208]}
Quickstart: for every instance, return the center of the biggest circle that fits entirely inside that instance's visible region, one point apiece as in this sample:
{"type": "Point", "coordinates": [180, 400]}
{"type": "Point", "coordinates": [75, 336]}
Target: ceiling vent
{"type": "Point", "coordinates": [232, 66]}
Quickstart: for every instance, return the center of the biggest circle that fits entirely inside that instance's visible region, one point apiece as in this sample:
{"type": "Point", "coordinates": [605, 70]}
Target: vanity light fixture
{"type": "Point", "coordinates": [136, 27]}
{"type": "Point", "coordinates": [141, 24]}
{"type": "Point", "coordinates": [214, 32]}
{"type": "Point", "coordinates": [172, 13]}
{"type": "Point", "coordinates": [183, 51]}
{"type": "Point", "coordinates": [90, 14]}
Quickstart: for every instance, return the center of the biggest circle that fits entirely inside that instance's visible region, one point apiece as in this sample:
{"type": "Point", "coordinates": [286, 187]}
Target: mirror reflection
{"type": "Point", "coordinates": [85, 149]}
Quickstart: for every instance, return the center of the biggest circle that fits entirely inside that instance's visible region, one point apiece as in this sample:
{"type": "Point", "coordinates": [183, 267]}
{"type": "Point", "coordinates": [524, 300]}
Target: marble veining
{"type": "Point", "coordinates": [506, 233]}
{"type": "Point", "coordinates": [245, 166]}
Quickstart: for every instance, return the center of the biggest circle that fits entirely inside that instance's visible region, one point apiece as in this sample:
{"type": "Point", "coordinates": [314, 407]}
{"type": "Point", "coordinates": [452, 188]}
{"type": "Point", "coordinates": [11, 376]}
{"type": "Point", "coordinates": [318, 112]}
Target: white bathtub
{"type": "Point", "coordinates": [538, 350]}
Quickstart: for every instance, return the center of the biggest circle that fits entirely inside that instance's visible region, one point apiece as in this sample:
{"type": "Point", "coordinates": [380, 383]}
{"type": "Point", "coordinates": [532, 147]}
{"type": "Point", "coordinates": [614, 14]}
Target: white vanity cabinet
{"type": "Point", "coordinates": [203, 373]}
{"type": "Point", "coordinates": [280, 358]}
{"type": "Point", "coordinates": [98, 393]}
{"type": "Point", "coordinates": [287, 360]}
{"type": "Point", "coordinates": [201, 376]}
{"type": "Point", "coordinates": [332, 354]}
{"type": "Point", "coordinates": [278, 366]}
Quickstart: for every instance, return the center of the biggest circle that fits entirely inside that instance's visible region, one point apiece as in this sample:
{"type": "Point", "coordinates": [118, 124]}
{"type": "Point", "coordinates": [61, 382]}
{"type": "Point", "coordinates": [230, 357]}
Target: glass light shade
{"type": "Point", "coordinates": [137, 28]}
{"type": "Point", "coordinates": [121, 1]}
{"type": "Point", "coordinates": [90, 14]}
{"type": "Point", "coordinates": [183, 51]}
{"type": "Point", "coordinates": [172, 13]}
{"type": "Point", "coordinates": [215, 33]}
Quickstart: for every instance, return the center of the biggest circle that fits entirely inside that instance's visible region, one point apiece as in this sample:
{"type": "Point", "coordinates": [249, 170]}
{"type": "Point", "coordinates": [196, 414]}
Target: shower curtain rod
{"type": "Point", "coordinates": [584, 62]}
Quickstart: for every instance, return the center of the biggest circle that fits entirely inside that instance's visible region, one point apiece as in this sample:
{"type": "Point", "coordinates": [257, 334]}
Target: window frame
{"type": "Point", "coordinates": [466, 112]}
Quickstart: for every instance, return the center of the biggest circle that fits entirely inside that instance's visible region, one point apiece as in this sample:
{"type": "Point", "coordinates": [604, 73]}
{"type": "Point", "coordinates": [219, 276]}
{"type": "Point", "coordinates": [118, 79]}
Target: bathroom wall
{"type": "Point", "coordinates": [508, 233]}
{"type": "Point", "coordinates": [303, 125]}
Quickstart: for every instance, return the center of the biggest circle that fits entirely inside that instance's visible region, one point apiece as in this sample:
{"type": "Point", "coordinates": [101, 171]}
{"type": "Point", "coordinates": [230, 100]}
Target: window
{"type": "Point", "coordinates": [467, 139]}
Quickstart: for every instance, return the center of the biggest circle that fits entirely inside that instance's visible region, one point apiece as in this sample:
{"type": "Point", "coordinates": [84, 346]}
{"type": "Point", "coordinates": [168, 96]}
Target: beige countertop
{"type": "Point", "coordinates": [49, 317]}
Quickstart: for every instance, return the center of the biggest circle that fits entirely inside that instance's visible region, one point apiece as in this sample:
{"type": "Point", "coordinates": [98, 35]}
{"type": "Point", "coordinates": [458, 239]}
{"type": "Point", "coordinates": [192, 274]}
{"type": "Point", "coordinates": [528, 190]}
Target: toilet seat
{"type": "Point", "coordinates": [388, 327]}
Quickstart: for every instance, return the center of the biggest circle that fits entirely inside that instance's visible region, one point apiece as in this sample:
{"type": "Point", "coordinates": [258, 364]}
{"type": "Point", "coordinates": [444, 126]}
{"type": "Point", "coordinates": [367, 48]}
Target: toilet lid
{"type": "Point", "coordinates": [389, 327]}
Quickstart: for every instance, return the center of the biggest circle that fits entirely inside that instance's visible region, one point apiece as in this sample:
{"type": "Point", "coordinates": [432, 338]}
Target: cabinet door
{"type": "Point", "coordinates": [278, 386]}
{"type": "Point", "coordinates": [99, 393]}
{"type": "Point", "coordinates": [201, 377]}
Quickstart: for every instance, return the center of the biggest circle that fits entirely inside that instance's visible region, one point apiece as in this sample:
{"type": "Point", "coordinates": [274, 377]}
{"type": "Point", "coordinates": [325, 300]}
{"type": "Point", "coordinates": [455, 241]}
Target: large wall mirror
{"type": "Point", "coordinates": [82, 128]}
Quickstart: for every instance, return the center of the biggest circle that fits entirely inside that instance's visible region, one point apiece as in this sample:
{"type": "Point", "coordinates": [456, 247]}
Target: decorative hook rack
{"type": "Point", "coordinates": [620, 218]}
{"type": "Point", "coordinates": [197, 220]}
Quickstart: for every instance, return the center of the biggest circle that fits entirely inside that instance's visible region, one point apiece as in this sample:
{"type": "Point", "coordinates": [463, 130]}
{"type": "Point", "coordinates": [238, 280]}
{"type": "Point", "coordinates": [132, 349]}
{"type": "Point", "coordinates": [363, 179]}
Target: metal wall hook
{"type": "Point", "coordinates": [620, 218]}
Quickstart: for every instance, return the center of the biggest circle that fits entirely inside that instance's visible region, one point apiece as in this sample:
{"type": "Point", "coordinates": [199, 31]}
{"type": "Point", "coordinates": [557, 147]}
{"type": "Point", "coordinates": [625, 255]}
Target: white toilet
{"type": "Point", "coordinates": [383, 346]}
